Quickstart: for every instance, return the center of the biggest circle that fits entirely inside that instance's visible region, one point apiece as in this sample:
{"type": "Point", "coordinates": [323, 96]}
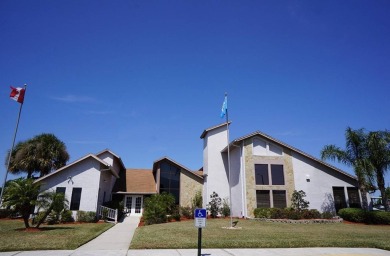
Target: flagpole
{"type": "Point", "coordinates": [228, 149]}
{"type": "Point", "coordinates": [12, 148]}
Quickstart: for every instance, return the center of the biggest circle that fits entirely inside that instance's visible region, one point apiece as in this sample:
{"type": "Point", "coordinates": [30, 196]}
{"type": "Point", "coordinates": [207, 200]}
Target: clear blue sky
{"type": "Point", "coordinates": [145, 78]}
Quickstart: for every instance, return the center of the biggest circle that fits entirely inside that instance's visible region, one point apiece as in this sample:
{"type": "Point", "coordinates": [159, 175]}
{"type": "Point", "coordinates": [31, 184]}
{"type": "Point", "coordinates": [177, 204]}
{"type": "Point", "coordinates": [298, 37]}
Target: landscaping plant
{"type": "Point", "coordinates": [214, 206]}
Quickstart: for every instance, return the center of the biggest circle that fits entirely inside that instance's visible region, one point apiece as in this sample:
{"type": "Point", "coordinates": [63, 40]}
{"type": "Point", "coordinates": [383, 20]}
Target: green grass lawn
{"type": "Point", "coordinates": [49, 237]}
{"type": "Point", "coordinates": [257, 234]}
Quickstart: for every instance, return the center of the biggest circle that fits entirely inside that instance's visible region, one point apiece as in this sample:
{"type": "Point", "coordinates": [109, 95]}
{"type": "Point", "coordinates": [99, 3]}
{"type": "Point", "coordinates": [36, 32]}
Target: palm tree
{"type": "Point", "coordinates": [21, 195]}
{"type": "Point", "coordinates": [378, 147]}
{"type": "Point", "coordinates": [353, 155]}
{"type": "Point", "coordinates": [51, 201]}
{"type": "Point", "coordinates": [42, 154]}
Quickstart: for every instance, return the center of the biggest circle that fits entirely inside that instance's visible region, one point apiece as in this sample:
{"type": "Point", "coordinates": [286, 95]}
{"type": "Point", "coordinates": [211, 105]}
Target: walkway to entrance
{"type": "Point", "coordinates": [117, 239]}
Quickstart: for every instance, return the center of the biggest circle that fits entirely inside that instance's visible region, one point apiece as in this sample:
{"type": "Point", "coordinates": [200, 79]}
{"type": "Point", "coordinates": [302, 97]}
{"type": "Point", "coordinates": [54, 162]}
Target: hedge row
{"type": "Point", "coordinates": [290, 213]}
{"type": "Point", "coordinates": [362, 216]}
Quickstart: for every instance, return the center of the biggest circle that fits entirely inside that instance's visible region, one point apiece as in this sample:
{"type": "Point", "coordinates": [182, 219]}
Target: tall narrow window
{"type": "Point", "coordinates": [262, 198]}
{"type": "Point", "coordinates": [75, 201]}
{"type": "Point", "coordinates": [353, 197]}
{"type": "Point", "coordinates": [170, 180]}
{"type": "Point", "coordinates": [279, 198]}
{"type": "Point", "coordinates": [339, 198]}
{"type": "Point", "coordinates": [261, 174]}
{"type": "Point", "coordinates": [277, 174]}
{"type": "Point", "coordinates": [60, 190]}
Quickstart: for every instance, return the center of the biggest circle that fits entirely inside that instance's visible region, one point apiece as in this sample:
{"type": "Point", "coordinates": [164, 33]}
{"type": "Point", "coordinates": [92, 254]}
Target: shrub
{"type": "Point", "coordinates": [83, 216]}
{"type": "Point", "coordinates": [214, 205]}
{"type": "Point", "coordinates": [297, 201]}
{"type": "Point", "coordinates": [197, 201]}
{"type": "Point", "coordinates": [362, 216]}
{"type": "Point", "coordinates": [352, 214]}
{"type": "Point", "coordinates": [262, 213]}
{"type": "Point", "coordinates": [327, 215]}
{"type": "Point", "coordinates": [225, 210]}
{"type": "Point", "coordinates": [5, 213]}
{"type": "Point", "coordinates": [157, 207]}
{"type": "Point", "coordinates": [176, 216]}
{"type": "Point", "coordinates": [379, 217]}
{"type": "Point", "coordinates": [292, 214]}
{"type": "Point", "coordinates": [310, 214]}
{"type": "Point", "coordinates": [66, 216]}
{"type": "Point", "coordinates": [278, 213]}
{"type": "Point", "coordinates": [38, 217]}
{"type": "Point", "coordinates": [187, 212]}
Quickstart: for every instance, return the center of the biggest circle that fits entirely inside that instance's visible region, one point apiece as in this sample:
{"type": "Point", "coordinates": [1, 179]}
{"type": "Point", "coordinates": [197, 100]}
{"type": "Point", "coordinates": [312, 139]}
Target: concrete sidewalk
{"type": "Point", "coordinates": [212, 252]}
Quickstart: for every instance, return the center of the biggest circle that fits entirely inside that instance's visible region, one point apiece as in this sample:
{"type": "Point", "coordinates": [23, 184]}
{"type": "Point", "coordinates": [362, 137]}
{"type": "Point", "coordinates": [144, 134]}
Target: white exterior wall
{"type": "Point", "coordinates": [107, 181]}
{"type": "Point", "coordinates": [85, 175]}
{"type": "Point", "coordinates": [213, 164]}
{"type": "Point", "coordinates": [318, 190]}
{"type": "Point", "coordinates": [236, 183]}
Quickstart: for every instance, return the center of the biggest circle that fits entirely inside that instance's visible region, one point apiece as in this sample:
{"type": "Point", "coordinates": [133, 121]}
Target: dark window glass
{"type": "Point", "coordinates": [339, 198]}
{"type": "Point", "coordinates": [261, 174]}
{"type": "Point", "coordinates": [75, 202]}
{"type": "Point", "coordinates": [262, 198]}
{"type": "Point", "coordinates": [170, 180]}
{"type": "Point", "coordinates": [277, 174]}
{"type": "Point", "coordinates": [60, 190]}
{"type": "Point", "coordinates": [279, 198]}
{"type": "Point", "coordinates": [353, 197]}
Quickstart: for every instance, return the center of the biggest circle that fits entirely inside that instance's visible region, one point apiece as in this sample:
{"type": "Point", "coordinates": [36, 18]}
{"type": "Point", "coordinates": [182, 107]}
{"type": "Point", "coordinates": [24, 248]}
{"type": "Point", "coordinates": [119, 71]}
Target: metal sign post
{"type": "Point", "coordinates": [200, 222]}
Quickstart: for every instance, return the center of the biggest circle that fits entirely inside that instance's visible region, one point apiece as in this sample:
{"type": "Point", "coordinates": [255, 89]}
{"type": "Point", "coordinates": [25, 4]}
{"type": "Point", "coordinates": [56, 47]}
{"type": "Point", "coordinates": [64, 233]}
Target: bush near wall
{"type": "Point", "coordinates": [289, 213]}
{"type": "Point", "coordinates": [83, 216]}
{"type": "Point", "coordinates": [5, 213]}
{"type": "Point", "coordinates": [362, 216]}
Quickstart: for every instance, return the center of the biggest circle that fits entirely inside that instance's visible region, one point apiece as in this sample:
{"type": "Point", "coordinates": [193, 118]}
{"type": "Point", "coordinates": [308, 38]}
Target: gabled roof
{"type": "Point", "coordinates": [197, 174]}
{"type": "Point", "coordinates": [136, 181]}
{"type": "Point", "coordinates": [76, 162]}
{"type": "Point", "coordinates": [261, 134]}
{"type": "Point", "coordinates": [115, 155]}
{"type": "Point", "coordinates": [212, 128]}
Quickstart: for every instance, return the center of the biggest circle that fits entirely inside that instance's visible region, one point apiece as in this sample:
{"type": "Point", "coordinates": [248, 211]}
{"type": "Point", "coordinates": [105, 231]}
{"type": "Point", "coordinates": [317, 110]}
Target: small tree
{"type": "Point", "coordinates": [214, 205]}
{"type": "Point", "coordinates": [157, 207]}
{"type": "Point", "coordinates": [225, 210]}
{"type": "Point", "coordinates": [298, 202]}
{"type": "Point", "coordinates": [197, 201]}
{"type": "Point", "coordinates": [53, 204]}
{"type": "Point", "coordinates": [21, 195]}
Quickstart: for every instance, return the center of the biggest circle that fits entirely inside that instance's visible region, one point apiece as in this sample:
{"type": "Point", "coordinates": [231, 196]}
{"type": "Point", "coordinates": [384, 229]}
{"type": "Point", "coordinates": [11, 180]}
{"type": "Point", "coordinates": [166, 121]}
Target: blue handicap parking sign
{"type": "Point", "coordinates": [200, 213]}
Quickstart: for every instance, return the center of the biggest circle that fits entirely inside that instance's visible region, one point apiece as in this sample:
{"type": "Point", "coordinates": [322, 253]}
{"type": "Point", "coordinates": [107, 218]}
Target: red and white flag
{"type": "Point", "coordinates": [17, 94]}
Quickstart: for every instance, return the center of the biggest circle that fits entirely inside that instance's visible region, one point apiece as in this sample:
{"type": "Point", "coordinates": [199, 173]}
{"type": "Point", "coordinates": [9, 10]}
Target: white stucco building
{"type": "Point", "coordinates": [265, 172]}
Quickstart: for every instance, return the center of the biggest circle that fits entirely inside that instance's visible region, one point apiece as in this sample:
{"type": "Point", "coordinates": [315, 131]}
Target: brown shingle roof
{"type": "Point", "coordinates": [137, 181]}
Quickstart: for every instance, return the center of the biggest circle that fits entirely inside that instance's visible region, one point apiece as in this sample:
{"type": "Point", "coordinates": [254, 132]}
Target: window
{"type": "Point", "coordinates": [170, 180]}
{"type": "Point", "coordinates": [129, 202]}
{"type": "Point", "coordinates": [138, 202]}
{"type": "Point", "coordinates": [339, 198]}
{"type": "Point", "coordinates": [277, 174]}
{"type": "Point", "coordinates": [75, 201]}
{"type": "Point", "coordinates": [262, 198]}
{"type": "Point", "coordinates": [261, 174]}
{"type": "Point", "coordinates": [60, 190]}
{"type": "Point", "coordinates": [259, 147]}
{"type": "Point", "coordinates": [353, 197]}
{"type": "Point", "coordinates": [279, 197]}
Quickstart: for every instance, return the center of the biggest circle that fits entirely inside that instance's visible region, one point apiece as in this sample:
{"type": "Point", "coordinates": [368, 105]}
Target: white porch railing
{"type": "Point", "coordinates": [105, 212]}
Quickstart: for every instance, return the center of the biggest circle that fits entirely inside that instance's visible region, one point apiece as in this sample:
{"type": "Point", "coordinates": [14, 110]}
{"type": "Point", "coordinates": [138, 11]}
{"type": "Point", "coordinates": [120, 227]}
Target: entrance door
{"type": "Point", "coordinates": [133, 204]}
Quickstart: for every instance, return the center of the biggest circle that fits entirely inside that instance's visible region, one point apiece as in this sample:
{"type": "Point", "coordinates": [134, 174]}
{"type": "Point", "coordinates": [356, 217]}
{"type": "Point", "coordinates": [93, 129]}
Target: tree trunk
{"type": "Point", "coordinates": [25, 219]}
{"type": "Point", "coordinates": [363, 192]}
{"type": "Point", "coordinates": [382, 189]}
{"type": "Point", "coordinates": [44, 216]}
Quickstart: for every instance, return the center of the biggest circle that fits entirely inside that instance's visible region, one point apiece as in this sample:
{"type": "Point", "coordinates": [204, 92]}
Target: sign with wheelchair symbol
{"type": "Point", "coordinates": [200, 218]}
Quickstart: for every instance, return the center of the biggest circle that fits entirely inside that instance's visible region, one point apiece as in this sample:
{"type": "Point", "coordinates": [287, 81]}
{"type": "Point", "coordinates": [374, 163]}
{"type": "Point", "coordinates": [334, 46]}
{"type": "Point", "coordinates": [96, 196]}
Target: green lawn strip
{"type": "Point", "coordinates": [257, 234]}
{"type": "Point", "coordinates": [49, 237]}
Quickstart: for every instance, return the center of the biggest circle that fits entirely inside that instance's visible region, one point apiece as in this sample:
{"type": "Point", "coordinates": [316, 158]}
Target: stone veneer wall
{"type": "Point", "coordinates": [189, 185]}
{"type": "Point", "coordinates": [251, 187]}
